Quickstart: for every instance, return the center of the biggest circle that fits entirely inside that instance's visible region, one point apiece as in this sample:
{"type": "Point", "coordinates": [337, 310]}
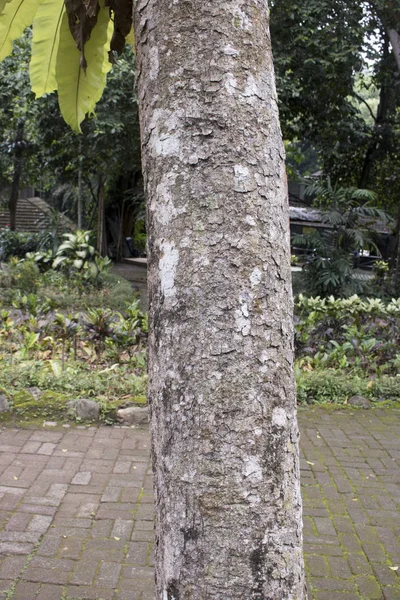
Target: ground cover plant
{"type": "Point", "coordinates": [347, 347]}
{"type": "Point", "coordinates": [70, 330]}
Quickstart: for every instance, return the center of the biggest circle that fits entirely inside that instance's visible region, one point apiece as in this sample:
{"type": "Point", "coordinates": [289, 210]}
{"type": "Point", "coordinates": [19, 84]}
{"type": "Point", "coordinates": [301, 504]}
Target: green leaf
{"type": "Point", "coordinates": [16, 16]}
{"type": "Point", "coordinates": [2, 5]}
{"type": "Point", "coordinates": [45, 41]}
{"type": "Point", "coordinates": [56, 367]}
{"type": "Point", "coordinates": [78, 92]}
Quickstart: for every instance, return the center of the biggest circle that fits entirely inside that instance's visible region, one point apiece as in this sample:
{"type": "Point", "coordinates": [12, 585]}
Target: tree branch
{"type": "Point", "coordinates": [361, 99]}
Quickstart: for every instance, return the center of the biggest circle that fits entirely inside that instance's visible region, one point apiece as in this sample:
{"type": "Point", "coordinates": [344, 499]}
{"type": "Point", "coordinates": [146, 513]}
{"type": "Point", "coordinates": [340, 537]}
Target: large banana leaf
{"type": "Point", "coordinates": [2, 4]}
{"type": "Point", "coordinates": [79, 91]}
{"type": "Point", "coordinates": [45, 41]}
{"type": "Point", "coordinates": [16, 16]}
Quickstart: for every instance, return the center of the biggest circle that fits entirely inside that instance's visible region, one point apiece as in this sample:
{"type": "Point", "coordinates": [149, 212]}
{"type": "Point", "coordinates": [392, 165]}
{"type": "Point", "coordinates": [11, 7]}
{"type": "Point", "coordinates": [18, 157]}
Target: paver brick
{"type": "Point", "coordinates": [78, 491]}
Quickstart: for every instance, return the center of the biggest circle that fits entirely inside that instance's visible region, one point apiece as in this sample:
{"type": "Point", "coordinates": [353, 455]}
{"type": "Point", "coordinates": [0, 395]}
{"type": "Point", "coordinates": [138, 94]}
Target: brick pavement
{"type": "Point", "coordinates": [351, 498]}
{"type": "Point", "coordinates": [76, 513]}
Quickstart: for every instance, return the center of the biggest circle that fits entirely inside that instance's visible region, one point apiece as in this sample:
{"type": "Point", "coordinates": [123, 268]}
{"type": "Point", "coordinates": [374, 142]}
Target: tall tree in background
{"type": "Point", "coordinates": [18, 126]}
{"type": "Point", "coordinates": [221, 387]}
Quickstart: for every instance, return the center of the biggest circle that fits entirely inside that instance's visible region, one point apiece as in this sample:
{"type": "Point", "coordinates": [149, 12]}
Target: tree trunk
{"type": "Point", "coordinates": [79, 209]}
{"type": "Point", "coordinates": [18, 166]}
{"type": "Point", "coordinates": [381, 118]}
{"type": "Point", "coordinates": [101, 245]}
{"type": "Point", "coordinates": [395, 43]}
{"type": "Point", "coordinates": [221, 387]}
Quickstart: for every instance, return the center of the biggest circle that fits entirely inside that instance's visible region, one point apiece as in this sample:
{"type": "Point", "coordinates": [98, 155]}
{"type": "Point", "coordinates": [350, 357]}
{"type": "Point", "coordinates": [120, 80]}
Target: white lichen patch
{"type": "Point", "coordinates": [230, 83]}
{"type": "Point", "coordinates": [241, 20]}
{"type": "Point", "coordinates": [254, 88]}
{"type": "Point", "coordinates": [162, 204]}
{"type": "Point", "coordinates": [168, 263]}
{"type": "Point", "coordinates": [244, 181]}
{"type": "Point", "coordinates": [154, 63]}
{"type": "Point", "coordinates": [230, 51]}
{"type": "Point", "coordinates": [279, 417]}
{"type": "Point", "coordinates": [242, 317]}
{"type": "Point", "coordinates": [255, 277]}
{"type": "Point", "coordinates": [252, 468]}
{"type": "Point", "coordinates": [165, 130]}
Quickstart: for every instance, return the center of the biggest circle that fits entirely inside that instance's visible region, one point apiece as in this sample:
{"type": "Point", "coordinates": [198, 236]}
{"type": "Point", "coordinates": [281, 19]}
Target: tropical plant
{"type": "Point", "coordinates": [75, 251]}
{"type": "Point", "coordinates": [72, 47]}
{"type": "Point", "coordinates": [17, 244]}
{"type": "Point", "coordinates": [66, 328]}
{"type": "Point", "coordinates": [348, 217]}
{"type": "Point", "coordinates": [100, 324]}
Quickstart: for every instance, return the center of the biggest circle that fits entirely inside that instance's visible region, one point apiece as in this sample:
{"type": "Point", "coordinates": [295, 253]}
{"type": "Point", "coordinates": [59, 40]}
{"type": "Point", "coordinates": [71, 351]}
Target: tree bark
{"type": "Point", "coordinates": [221, 387]}
{"type": "Point", "coordinates": [18, 166]}
{"type": "Point", "coordinates": [395, 43]}
{"type": "Point", "coordinates": [101, 245]}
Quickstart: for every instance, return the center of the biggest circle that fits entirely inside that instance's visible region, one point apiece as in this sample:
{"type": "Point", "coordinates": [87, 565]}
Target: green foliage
{"type": "Point", "coordinates": [17, 244]}
{"type": "Point", "coordinates": [337, 89]}
{"type": "Point", "coordinates": [72, 51]}
{"type": "Point", "coordinates": [328, 387]}
{"type": "Point", "coordinates": [329, 268]}
{"type": "Point", "coordinates": [95, 352]}
{"type": "Point", "coordinates": [333, 387]}
{"type": "Point", "coordinates": [22, 276]}
{"type": "Point", "coordinates": [354, 335]}
{"type": "Point", "coordinates": [77, 256]}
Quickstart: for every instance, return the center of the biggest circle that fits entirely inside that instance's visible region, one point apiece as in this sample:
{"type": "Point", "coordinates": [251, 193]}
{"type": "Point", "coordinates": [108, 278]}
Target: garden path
{"type": "Point", "coordinates": [76, 509]}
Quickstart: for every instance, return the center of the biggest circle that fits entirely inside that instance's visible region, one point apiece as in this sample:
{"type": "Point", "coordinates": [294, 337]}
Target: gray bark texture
{"type": "Point", "coordinates": [221, 389]}
{"type": "Point", "coordinates": [395, 43]}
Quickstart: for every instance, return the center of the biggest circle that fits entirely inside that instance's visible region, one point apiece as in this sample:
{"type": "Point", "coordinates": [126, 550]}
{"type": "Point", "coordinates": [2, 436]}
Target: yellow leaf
{"type": "Point", "coordinates": [394, 568]}
{"type": "Point", "coordinates": [117, 538]}
{"type": "Point", "coordinates": [15, 17]}
{"type": "Point", "coordinates": [130, 38]}
{"type": "Point", "coordinates": [310, 463]}
{"type": "Point", "coordinates": [78, 92]}
{"type": "Point", "coordinates": [45, 41]}
{"type": "Point", "coordinates": [2, 5]}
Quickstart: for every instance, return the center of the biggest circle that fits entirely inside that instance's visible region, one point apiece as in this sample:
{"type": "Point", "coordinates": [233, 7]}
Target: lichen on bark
{"type": "Point", "coordinates": [221, 388]}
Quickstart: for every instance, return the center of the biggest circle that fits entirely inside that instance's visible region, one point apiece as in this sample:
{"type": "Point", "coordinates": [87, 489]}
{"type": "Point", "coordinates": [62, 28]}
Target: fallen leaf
{"type": "Point", "coordinates": [310, 463]}
{"type": "Point", "coordinates": [355, 499]}
{"type": "Point", "coordinates": [64, 450]}
{"type": "Point", "coordinates": [16, 478]}
{"type": "Point", "coordinates": [117, 538]}
{"type": "Point", "coordinates": [394, 568]}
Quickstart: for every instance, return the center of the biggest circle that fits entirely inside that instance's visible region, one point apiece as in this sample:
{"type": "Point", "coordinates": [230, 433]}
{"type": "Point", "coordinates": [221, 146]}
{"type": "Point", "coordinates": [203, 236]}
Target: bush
{"type": "Point", "coordinates": [326, 387]}
{"type": "Point", "coordinates": [13, 243]}
{"type": "Point", "coordinates": [334, 387]}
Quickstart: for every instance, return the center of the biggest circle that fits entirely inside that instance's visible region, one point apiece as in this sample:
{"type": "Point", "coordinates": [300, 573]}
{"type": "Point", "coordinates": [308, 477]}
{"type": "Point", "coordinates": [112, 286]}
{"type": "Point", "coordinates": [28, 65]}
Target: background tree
{"type": "Point", "coordinates": [18, 126]}
{"type": "Point", "coordinates": [338, 85]}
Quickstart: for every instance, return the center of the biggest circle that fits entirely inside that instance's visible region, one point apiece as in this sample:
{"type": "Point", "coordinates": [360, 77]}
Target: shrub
{"type": "Point", "coordinates": [334, 387]}
{"type": "Point", "coordinates": [360, 335]}
{"type": "Point", "coordinates": [24, 275]}
{"type": "Point", "coordinates": [13, 243]}
{"type": "Point", "coordinates": [326, 387]}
